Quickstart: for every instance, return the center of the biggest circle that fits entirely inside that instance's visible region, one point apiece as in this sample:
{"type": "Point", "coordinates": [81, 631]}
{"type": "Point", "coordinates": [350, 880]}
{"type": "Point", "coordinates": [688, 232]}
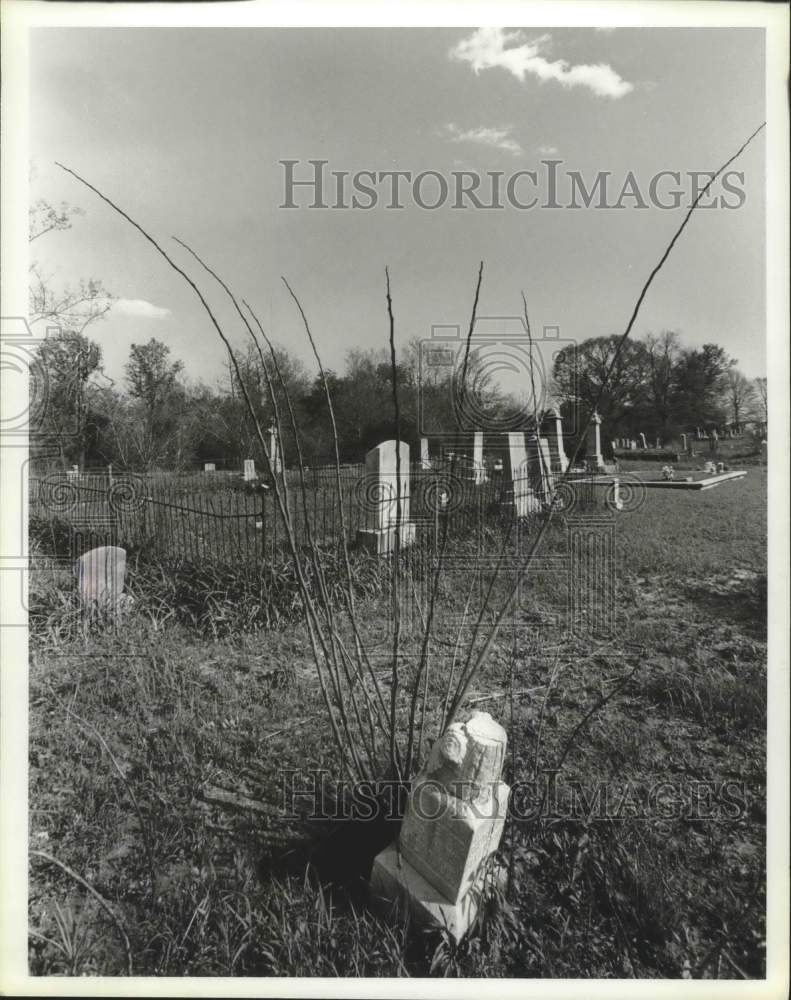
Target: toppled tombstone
{"type": "Point", "coordinates": [453, 824]}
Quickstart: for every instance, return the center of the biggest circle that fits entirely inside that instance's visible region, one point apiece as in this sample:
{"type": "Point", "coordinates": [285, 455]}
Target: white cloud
{"type": "Point", "coordinates": [140, 309]}
{"type": "Point", "coordinates": [548, 150]}
{"type": "Point", "coordinates": [487, 48]}
{"type": "Point", "coordinates": [499, 138]}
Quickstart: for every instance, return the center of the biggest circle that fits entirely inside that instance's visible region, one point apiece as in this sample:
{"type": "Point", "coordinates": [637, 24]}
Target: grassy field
{"type": "Point", "coordinates": [161, 754]}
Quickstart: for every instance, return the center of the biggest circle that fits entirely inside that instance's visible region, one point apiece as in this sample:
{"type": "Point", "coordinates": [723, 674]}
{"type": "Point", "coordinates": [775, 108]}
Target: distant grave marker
{"type": "Point", "coordinates": [386, 498]}
{"type": "Point", "coordinates": [595, 459]}
{"type": "Point", "coordinates": [525, 500]}
{"type": "Point", "coordinates": [557, 440]}
{"type": "Point", "coordinates": [275, 451]}
{"type": "Point", "coordinates": [479, 469]}
{"type": "Point", "coordinates": [425, 462]}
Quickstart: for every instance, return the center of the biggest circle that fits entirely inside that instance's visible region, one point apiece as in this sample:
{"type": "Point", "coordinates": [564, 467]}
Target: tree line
{"type": "Point", "coordinates": [659, 386]}
{"type": "Point", "coordinates": [160, 418]}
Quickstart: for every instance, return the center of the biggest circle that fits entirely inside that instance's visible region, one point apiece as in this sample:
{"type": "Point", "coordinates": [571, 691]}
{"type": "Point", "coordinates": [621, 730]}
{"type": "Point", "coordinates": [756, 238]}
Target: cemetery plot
{"type": "Point", "coordinates": [206, 731]}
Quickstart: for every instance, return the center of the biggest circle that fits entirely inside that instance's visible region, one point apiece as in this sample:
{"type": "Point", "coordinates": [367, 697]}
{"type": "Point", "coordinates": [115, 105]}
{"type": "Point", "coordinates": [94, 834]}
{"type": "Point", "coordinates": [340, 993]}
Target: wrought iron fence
{"type": "Point", "coordinates": [240, 523]}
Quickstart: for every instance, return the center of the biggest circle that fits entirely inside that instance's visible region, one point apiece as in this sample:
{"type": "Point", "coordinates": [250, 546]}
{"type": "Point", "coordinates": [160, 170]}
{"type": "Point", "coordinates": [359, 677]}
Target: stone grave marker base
{"type": "Point", "coordinates": [394, 881]}
{"type": "Point", "coordinates": [381, 541]}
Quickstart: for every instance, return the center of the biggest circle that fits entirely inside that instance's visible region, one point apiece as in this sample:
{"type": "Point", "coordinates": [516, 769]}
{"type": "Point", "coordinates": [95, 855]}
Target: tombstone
{"type": "Point", "coordinates": [658, 444]}
{"type": "Point", "coordinates": [593, 457]}
{"type": "Point", "coordinates": [540, 467]}
{"type": "Point", "coordinates": [275, 451]}
{"type": "Point", "coordinates": [557, 440]}
{"type": "Point", "coordinates": [209, 467]}
{"type": "Point", "coordinates": [642, 440]}
{"type": "Point", "coordinates": [109, 475]}
{"type": "Point", "coordinates": [525, 500]}
{"type": "Point", "coordinates": [425, 462]}
{"type": "Point", "coordinates": [73, 472]}
{"type": "Point", "coordinates": [453, 823]}
{"type": "Point", "coordinates": [249, 470]}
{"type": "Point", "coordinates": [386, 500]}
{"type": "Point", "coordinates": [633, 445]}
{"type": "Point", "coordinates": [546, 461]}
{"type": "Point", "coordinates": [100, 574]}
{"type": "Point", "coordinates": [684, 443]}
{"type": "Point", "coordinates": [479, 469]}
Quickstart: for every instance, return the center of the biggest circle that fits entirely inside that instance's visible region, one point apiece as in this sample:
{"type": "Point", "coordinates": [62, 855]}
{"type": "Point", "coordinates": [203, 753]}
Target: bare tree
{"type": "Point", "coordinates": [663, 351]}
{"type": "Point", "coordinates": [761, 398]}
{"type": "Point", "coordinates": [71, 308]}
{"type": "Point", "coordinates": [153, 383]}
{"type": "Point", "coordinates": [741, 395]}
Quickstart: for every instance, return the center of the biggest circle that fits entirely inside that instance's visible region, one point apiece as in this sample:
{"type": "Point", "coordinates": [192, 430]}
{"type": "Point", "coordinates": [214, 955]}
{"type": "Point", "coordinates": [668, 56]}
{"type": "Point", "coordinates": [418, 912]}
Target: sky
{"type": "Point", "coordinates": [184, 129]}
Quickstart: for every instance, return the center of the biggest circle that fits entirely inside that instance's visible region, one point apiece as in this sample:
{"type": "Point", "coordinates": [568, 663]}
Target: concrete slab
{"type": "Point", "coordinates": [666, 484]}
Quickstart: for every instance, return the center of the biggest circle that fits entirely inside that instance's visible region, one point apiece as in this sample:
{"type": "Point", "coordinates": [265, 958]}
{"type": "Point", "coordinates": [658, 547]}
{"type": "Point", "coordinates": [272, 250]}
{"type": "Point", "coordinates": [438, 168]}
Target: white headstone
{"type": "Point", "coordinates": [525, 500]}
{"type": "Point", "coordinates": [562, 460]}
{"type": "Point", "coordinates": [209, 467]}
{"type": "Point", "coordinates": [249, 469]}
{"type": "Point", "coordinates": [684, 442]}
{"type": "Point", "coordinates": [100, 574]}
{"type": "Point", "coordinates": [386, 498]}
{"type": "Point", "coordinates": [425, 462]}
{"type": "Point", "coordinates": [479, 470]}
{"type": "Point", "coordinates": [546, 459]}
{"type": "Point", "coordinates": [539, 464]}
{"type": "Point", "coordinates": [275, 452]}
{"type": "Point", "coordinates": [454, 821]}
{"type": "Point", "coordinates": [594, 457]}
{"type": "Point", "coordinates": [642, 440]}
